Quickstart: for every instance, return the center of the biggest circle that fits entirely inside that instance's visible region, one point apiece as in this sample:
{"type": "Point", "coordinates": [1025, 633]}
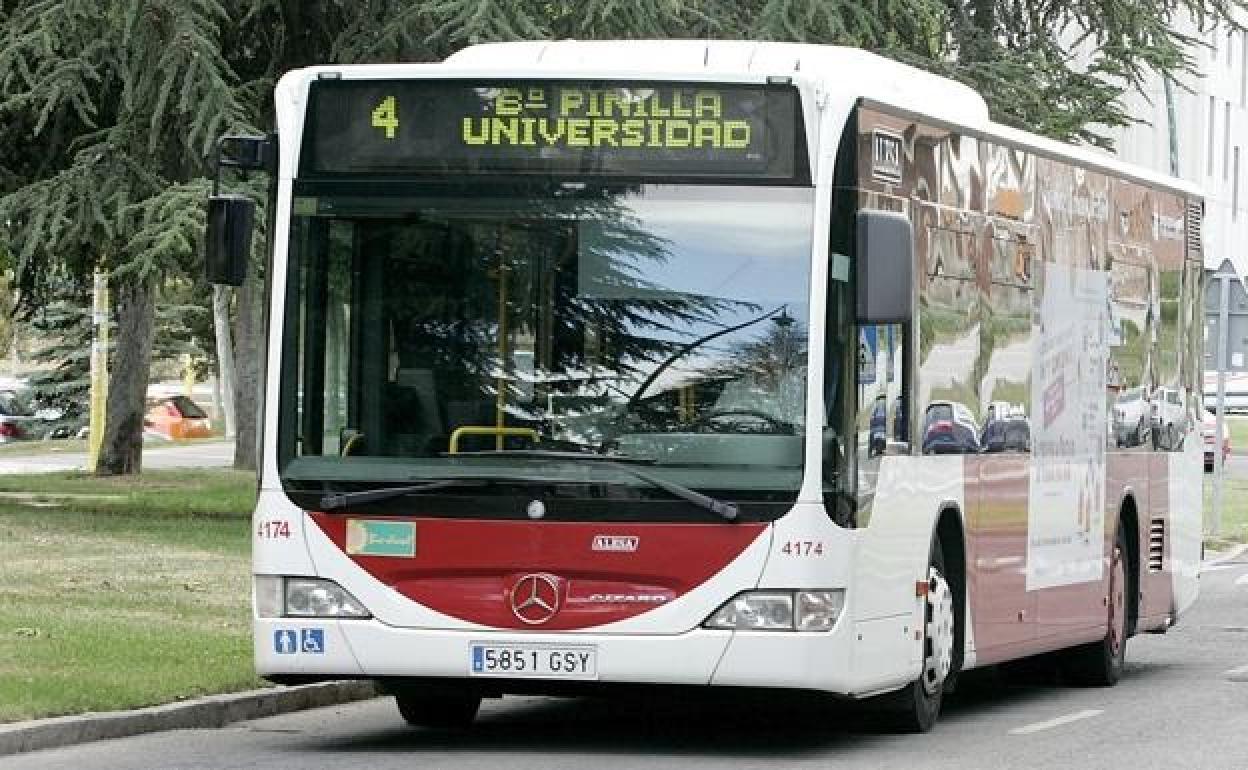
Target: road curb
{"type": "Point", "coordinates": [207, 712]}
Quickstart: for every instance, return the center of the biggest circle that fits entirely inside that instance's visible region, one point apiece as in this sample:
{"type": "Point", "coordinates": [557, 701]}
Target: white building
{"type": "Point", "coordinates": [1210, 118]}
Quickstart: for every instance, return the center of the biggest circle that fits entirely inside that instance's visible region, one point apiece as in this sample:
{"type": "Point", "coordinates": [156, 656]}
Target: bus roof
{"type": "Point", "coordinates": [883, 81]}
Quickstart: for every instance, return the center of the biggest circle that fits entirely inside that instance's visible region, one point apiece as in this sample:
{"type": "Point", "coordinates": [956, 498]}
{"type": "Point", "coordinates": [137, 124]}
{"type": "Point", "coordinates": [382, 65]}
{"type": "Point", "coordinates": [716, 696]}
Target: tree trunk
{"type": "Point", "coordinates": [122, 451]}
{"type": "Point", "coordinates": [225, 355]}
{"type": "Point", "coordinates": [247, 350]}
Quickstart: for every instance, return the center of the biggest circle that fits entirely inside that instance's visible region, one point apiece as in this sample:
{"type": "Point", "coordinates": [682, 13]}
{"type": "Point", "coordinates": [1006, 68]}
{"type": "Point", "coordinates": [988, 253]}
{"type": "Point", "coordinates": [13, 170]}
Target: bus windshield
{"type": "Point", "coordinates": [427, 326]}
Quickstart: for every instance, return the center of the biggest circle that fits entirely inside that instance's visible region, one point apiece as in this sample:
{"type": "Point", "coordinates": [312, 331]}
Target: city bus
{"type": "Point", "coordinates": [603, 365]}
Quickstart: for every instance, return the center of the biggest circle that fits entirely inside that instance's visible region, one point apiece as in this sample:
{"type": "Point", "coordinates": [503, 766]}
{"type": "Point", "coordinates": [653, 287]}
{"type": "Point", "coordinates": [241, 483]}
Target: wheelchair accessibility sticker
{"type": "Point", "coordinates": [288, 641]}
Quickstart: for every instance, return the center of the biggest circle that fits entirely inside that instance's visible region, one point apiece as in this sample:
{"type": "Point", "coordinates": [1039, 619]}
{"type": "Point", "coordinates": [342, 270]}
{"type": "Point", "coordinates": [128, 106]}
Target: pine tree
{"type": "Point", "coordinates": [64, 328]}
{"type": "Point", "coordinates": [1059, 67]}
{"type": "Point", "coordinates": [123, 99]}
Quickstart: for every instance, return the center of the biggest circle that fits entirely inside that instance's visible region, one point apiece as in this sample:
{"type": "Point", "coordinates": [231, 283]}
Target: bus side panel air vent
{"type": "Point", "coordinates": [1157, 545]}
{"type": "Point", "coordinates": [1192, 227]}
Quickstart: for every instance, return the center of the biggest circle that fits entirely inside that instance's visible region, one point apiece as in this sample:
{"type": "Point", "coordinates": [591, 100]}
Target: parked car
{"type": "Point", "coordinates": [949, 428]}
{"type": "Point", "coordinates": [1208, 428]}
{"type": "Point", "coordinates": [1133, 417]}
{"type": "Point", "coordinates": [65, 423]}
{"type": "Point", "coordinates": [176, 418]}
{"type": "Point", "coordinates": [16, 418]}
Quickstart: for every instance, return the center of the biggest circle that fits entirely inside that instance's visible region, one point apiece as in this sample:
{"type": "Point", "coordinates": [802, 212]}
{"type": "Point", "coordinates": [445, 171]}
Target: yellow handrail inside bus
{"type": "Point", "coordinates": [351, 442]}
{"type": "Point", "coordinates": [488, 430]}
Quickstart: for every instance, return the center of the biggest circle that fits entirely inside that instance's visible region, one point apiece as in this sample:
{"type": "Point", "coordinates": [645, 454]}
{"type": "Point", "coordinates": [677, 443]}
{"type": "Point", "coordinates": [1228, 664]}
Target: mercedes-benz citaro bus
{"type": "Point", "coordinates": [710, 364]}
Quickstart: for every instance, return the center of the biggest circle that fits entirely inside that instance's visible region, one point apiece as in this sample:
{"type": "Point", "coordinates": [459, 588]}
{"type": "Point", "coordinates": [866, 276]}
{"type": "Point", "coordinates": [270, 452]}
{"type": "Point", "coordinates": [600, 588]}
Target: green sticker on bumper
{"type": "Point", "coordinates": [366, 537]}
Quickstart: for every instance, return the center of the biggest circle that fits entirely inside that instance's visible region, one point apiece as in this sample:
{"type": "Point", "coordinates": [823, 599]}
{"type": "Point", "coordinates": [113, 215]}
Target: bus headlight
{"type": "Point", "coordinates": [780, 611]}
{"type": "Point", "coordinates": [317, 598]}
{"type": "Point", "coordinates": [302, 597]}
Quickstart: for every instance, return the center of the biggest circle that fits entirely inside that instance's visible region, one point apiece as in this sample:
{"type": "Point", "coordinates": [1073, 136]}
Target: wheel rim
{"type": "Point", "coordinates": [1117, 604]}
{"type": "Point", "coordinates": [938, 646]}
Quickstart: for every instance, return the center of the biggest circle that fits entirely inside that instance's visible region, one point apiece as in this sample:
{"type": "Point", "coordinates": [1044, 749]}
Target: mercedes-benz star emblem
{"type": "Point", "coordinates": [535, 598]}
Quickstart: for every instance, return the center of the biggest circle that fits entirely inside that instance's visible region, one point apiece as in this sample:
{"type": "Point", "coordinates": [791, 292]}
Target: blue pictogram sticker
{"type": "Point", "coordinates": [285, 641]}
{"type": "Point", "coordinates": [478, 659]}
{"type": "Point", "coordinates": [312, 640]}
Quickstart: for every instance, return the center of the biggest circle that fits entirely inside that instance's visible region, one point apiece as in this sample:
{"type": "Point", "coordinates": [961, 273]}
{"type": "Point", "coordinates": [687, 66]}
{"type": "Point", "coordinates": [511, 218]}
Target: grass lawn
{"type": "Point", "coordinates": [1238, 429]}
{"type": "Point", "coordinates": [118, 593]}
{"type": "Point", "coordinates": [1234, 527]}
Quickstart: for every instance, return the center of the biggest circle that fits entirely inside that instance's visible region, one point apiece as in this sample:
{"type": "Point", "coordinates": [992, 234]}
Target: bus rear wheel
{"type": "Point", "coordinates": [1100, 664]}
{"type": "Point", "coordinates": [437, 709]}
{"type": "Point", "coordinates": [914, 708]}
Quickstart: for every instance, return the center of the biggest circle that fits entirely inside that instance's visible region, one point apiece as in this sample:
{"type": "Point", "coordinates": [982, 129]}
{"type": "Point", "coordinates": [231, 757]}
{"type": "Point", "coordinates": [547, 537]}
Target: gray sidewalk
{"type": "Point", "coordinates": [207, 454]}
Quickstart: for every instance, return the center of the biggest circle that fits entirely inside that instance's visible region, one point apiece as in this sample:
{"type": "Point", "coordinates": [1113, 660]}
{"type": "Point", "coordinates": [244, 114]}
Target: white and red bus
{"type": "Point", "coordinates": [726, 364]}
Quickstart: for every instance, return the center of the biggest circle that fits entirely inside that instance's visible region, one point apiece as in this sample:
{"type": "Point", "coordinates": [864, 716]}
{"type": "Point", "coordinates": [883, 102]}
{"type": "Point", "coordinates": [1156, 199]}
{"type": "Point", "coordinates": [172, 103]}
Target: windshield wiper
{"type": "Point", "coordinates": [343, 499]}
{"type": "Point", "coordinates": [727, 511]}
{"type": "Point", "coordinates": [555, 455]}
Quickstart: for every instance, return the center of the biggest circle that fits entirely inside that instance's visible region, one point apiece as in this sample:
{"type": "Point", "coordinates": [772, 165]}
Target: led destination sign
{"type": "Point", "coordinates": [616, 129]}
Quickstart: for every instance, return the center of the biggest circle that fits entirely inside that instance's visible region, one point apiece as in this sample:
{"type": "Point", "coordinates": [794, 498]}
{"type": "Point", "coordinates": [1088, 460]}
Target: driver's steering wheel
{"type": "Point", "coordinates": [775, 424]}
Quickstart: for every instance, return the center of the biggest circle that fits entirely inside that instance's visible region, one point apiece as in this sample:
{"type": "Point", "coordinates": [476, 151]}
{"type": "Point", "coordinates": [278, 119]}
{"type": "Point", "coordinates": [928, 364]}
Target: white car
{"type": "Point", "coordinates": [1169, 416]}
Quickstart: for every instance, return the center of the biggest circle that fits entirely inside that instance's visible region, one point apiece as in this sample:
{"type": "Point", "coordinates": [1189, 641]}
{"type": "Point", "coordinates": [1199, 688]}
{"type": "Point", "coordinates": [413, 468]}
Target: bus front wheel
{"type": "Point", "coordinates": [914, 708]}
{"type": "Point", "coordinates": [437, 709]}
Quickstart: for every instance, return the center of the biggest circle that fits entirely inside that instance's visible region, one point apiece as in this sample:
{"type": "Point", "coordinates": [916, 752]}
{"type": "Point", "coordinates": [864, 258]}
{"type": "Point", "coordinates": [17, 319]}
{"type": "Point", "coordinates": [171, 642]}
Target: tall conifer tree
{"type": "Point", "coordinates": [123, 99]}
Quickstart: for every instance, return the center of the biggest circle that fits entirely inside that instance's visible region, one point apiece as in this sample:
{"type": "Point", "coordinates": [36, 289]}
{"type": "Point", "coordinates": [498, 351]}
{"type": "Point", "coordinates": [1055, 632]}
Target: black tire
{"type": "Point", "coordinates": [915, 707]}
{"type": "Point", "coordinates": [1100, 663]}
{"type": "Point", "coordinates": [440, 710]}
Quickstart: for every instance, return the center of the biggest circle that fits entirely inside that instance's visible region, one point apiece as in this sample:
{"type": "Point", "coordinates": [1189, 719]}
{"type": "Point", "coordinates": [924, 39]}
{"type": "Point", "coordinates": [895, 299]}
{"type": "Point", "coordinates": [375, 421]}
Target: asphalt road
{"type": "Point", "coordinates": [207, 454]}
{"type": "Point", "coordinates": [1182, 703]}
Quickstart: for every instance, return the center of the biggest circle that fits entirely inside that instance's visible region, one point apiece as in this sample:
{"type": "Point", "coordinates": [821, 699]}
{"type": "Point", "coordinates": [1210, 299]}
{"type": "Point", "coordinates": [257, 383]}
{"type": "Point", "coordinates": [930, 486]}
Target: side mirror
{"type": "Point", "coordinates": [227, 242]}
{"type": "Point", "coordinates": [885, 267]}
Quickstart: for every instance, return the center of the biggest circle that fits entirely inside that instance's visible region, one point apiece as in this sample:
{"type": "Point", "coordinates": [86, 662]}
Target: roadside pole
{"type": "Point", "coordinates": [188, 375]}
{"type": "Point", "coordinates": [1226, 334]}
{"type": "Point", "coordinates": [225, 357]}
{"type": "Point", "coordinates": [1224, 277]}
{"type": "Point", "coordinates": [99, 369]}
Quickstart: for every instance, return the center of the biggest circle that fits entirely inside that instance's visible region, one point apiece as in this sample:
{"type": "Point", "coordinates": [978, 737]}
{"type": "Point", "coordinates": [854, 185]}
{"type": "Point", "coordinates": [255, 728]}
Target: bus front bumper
{"type": "Point", "coordinates": [290, 650]}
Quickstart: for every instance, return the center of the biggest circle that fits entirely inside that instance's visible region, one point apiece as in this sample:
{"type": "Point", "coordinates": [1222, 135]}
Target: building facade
{"type": "Point", "coordinates": [1199, 131]}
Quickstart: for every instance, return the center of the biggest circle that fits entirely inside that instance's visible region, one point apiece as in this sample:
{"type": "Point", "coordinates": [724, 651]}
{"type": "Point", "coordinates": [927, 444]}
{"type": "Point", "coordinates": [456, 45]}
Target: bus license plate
{"type": "Point", "coordinates": [541, 661]}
